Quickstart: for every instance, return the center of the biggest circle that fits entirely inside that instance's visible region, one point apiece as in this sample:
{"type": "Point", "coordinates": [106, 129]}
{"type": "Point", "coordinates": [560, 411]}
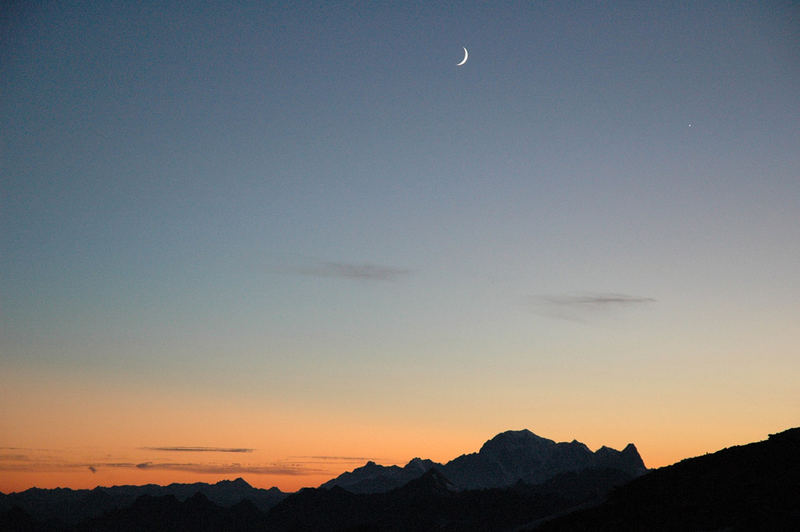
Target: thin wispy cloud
{"type": "Point", "coordinates": [224, 469]}
{"type": "Point", "coordinates": [354, 271]}
{"type": "Point", "coordinates": [15, 457]}
{"type": "Point", "coordinates": [55, 466]}
{"type": "Point", "coordinates": [292, 469]}
{"type": "Point", "coordinates": [580, 307]}
{"type": "Point", "coordinates": [52, 462]}
{"type": "Point", "coordinates": [180, 449]}
{"type": "Point", "coordinates": [336, 458]}
{"type": "Point", "coordinates": [596, 300]}
{"type": "Point", "coordinates": [329, 461]}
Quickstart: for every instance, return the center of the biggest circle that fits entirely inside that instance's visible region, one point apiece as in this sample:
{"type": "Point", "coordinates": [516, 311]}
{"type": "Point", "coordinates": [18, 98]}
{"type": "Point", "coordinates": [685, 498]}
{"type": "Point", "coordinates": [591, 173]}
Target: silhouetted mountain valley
{"type": "Point", "coordinates": [740, 488]}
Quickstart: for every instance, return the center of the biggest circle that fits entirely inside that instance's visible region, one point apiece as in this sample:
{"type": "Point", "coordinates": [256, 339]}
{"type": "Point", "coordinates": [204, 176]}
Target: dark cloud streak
{"type": "Point", "coordinates": [345, 458]}
{"type": "Point", "coordinates": [200, 449]}
{"type": "Point", "coordinates": [274, 469]}
{"type": "Point", "coordinates": [291, 469]}
{"type": "Point", "coordinates": [45, 465]}
{"type": "Point", "coordinates": [596, 300]}
{"type": "Point", "coordinates": [15, 457]}
{"type": "Point", "coordinates": [578, 307]}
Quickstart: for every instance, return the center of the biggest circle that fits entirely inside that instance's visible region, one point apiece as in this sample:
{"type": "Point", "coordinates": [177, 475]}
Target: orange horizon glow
{"type": "Point", "coordinates": [75, 476]}
{"type": "Point", "coordinates": [46, 443]}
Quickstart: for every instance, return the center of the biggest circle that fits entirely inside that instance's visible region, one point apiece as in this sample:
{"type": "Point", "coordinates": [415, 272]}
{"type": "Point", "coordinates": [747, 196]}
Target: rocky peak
{"type": "Point", "coordinates": [237, 483]}
{"type": "Point", "coordinates": [418, 464]}
{"type": "Point", "coordinates": [513, 441]}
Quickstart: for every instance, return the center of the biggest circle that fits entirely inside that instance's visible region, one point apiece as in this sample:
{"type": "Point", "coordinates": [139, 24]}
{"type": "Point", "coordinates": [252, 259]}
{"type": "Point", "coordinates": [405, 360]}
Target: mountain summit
{"type": "Point", "coordinates": [504, 460]}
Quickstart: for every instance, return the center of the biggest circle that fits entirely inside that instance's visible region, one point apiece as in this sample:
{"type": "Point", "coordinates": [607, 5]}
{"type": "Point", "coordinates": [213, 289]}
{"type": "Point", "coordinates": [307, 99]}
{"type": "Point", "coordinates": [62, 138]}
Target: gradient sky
{"type": "Point", "coordinates": [297, 237]}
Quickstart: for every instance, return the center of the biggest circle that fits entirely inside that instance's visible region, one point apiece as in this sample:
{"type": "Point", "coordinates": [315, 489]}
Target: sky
{"type": "Point", "coordinates": [277, 239]}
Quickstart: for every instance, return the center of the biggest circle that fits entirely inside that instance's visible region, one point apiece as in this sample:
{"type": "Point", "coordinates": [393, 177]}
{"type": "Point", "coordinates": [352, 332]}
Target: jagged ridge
{"type": "Point", "coordinates": [509, 457]}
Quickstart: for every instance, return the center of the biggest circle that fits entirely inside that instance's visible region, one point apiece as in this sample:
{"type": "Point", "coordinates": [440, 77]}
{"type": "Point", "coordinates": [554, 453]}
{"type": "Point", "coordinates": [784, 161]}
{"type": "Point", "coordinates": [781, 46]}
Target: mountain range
{"type": "Point", "coordinates": [70, 506]}
{"type": "Point", "coordinates": [504, 460]}
{"type": "Point", "coordinates": [749, 487]}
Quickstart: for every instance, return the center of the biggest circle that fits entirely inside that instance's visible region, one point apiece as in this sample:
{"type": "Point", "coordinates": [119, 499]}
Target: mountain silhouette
{"type": "Point", "coordinates": [69, 506]}
{"type": "Point", "coordinates": [374, 478]}
{"type": "Point", "coordinates": [509, 457]}
{"type": "Point", "coordinates": [431, 502]}
{"type": "Point", "coordinates": [166, 512]}
{"type": "Point", "coordinates": [494, 490]}
{"type": "Point", "coordinates": [748, 487]}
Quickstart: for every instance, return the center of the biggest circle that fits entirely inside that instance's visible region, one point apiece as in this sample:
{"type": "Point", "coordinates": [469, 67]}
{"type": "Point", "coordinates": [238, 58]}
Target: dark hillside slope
{"type": "Point", "coordinates": [748, 487]}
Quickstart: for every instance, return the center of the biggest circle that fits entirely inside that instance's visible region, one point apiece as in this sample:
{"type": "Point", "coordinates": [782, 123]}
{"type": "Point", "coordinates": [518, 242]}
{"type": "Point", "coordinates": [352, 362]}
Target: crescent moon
{"type": "Point", "coordinates": [466, 55]}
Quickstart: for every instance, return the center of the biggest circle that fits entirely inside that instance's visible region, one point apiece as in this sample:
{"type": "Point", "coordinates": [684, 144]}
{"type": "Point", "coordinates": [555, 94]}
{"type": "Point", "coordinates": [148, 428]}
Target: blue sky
{"type": "Point", "coordinates": [314, 196]}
